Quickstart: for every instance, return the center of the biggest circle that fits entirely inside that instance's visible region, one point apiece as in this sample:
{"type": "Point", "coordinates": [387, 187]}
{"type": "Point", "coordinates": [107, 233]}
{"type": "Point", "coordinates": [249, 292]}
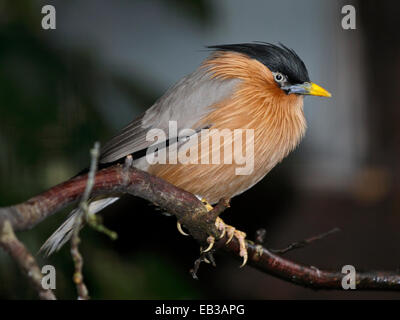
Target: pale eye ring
{"type": "Point", "coordinates": [279, 77]}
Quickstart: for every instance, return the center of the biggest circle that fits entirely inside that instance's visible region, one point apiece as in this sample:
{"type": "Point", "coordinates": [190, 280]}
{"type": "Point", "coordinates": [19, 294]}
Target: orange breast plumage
{"type": "Point", "coordinates": [256, 105]}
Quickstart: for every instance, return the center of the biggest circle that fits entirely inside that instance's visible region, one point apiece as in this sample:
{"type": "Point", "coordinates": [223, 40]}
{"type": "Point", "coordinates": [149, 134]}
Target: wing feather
{"type": "Point", "coordinates": [186, 102]}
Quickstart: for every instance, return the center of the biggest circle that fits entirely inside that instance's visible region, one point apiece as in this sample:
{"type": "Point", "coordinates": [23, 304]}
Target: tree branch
{"type": "Point", "coordinates": [193, 215]}
{"type": "Point", "coordinates": [309, 276]}
{"type": "Point", "coordinates": [23, 258]}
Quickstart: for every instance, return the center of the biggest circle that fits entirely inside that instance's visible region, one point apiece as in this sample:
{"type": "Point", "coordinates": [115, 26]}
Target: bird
{"type": "Point", "coordinates": [255, 87]}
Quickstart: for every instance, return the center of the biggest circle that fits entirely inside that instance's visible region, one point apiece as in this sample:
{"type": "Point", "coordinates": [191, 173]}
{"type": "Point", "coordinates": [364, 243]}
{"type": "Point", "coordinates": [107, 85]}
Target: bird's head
{"type": "Point", "coordinates": [287, 70]}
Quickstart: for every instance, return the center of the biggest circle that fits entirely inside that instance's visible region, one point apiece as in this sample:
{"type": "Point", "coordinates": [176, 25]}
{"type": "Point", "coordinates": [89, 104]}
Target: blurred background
{"type": "Point", "coordinates": [61, 90]}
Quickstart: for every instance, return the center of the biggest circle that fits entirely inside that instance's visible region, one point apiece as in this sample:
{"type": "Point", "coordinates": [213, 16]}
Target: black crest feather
{"type": "Point", "coordinates": [278, 58]}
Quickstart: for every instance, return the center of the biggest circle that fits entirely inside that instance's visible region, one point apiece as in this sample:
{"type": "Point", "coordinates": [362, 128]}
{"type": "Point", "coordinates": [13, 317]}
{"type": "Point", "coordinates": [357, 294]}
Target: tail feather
{"type": "Point", "coordinates": [64, 233]}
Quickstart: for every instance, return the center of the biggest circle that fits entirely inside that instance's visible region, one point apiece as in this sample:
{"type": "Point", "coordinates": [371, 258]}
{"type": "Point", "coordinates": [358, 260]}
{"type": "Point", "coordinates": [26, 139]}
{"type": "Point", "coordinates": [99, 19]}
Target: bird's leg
{"type": "Point", "coordinates": [230, 231]}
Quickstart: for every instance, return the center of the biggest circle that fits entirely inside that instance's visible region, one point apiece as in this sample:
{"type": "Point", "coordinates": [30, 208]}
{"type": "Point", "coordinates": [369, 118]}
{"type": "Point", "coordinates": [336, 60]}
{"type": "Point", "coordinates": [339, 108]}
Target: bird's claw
{"type": "Point", "coordinates": [221, 226]}
{"type": "Point", "coordinates": [225, 229]}
{"type": "Point", "coordinates": [231, 233]}
{"type": "Point", "coordinates": [208, 206]}
{"type": "Point", "coordinates": [211, 241]}
{"type": "Point", "coordinates": [179, 227]}
{"type": "Point", "coordinates": [241, 236]}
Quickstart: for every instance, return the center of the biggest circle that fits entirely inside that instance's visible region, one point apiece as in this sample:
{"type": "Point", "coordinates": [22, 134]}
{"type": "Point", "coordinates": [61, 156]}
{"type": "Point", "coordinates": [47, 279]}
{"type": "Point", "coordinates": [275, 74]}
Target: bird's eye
{"type": "Point", "coordinates": [279, 77]}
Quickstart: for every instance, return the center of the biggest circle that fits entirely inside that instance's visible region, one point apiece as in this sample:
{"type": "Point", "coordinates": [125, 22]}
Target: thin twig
{"type": "Point", "coordinates": [81, 288]}
{"type": "Point", "coordinates": [305, 242]}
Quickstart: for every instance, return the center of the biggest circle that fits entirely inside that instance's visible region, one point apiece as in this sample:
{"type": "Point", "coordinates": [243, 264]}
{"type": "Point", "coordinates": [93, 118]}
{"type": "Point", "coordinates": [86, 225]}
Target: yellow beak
{"type": "Point", "coordinates": [308, 88]}
{"type": "Point", "coordinates": [316, 90]}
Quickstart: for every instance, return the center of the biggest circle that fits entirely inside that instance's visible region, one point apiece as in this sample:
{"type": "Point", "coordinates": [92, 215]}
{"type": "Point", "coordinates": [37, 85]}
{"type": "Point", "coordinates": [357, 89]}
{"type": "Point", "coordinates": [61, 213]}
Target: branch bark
{"type": "Point", "coordinates": [192, 214]}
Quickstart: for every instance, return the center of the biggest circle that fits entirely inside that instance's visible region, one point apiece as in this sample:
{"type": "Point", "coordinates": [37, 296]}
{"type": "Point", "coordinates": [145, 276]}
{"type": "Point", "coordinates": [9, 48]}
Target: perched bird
{"type": "Point", "coordinates": [250, 86]}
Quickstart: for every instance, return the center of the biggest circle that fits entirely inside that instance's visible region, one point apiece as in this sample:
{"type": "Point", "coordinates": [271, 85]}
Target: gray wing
{"type": "Point", "coordinates": [186, 103]}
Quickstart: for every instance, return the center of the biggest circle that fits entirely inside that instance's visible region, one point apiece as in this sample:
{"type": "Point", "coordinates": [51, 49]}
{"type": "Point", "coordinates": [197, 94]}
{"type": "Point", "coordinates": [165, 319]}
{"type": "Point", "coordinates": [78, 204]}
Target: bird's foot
{"type": "Point", "coordinates": [231, 232]}
{"type": "Point", "coordinates": [225, 229]}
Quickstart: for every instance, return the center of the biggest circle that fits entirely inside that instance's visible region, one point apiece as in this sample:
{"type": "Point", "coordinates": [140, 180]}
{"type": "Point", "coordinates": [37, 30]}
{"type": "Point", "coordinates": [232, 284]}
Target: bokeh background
{"type": "Point", "coordinates": [107, 61]}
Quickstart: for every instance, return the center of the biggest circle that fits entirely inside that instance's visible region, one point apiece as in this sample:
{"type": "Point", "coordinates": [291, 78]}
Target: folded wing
{"type": "Point", "coordinates": [186, 102]}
